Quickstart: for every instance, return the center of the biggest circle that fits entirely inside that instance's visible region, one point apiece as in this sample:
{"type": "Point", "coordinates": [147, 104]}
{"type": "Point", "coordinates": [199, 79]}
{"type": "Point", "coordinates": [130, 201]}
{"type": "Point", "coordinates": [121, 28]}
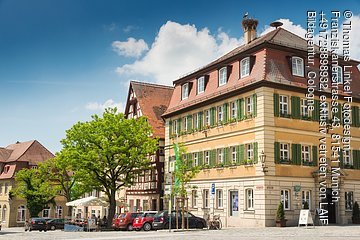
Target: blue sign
{"type": "Point", "coordinates": [213, 188]}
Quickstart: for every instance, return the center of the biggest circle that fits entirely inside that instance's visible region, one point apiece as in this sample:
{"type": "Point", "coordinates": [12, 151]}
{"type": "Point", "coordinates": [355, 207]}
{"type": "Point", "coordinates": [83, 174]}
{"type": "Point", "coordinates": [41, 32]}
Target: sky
{"type": "Point", "coordinates": [63, 61]}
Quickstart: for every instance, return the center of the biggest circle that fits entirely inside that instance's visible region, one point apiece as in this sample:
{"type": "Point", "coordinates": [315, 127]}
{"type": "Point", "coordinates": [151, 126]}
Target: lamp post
{"type": "Point", "coordinates": [262, 160]}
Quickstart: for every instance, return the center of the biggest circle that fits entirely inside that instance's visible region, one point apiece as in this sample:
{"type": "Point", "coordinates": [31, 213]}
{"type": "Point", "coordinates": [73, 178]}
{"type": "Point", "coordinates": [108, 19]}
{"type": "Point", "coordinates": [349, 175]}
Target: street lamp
{"type": "Point", "coordinates": [262, 160]}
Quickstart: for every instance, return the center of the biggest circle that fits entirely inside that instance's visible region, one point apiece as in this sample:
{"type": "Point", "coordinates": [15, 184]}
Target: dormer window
{"type": "Point", "coordinates": [200, 85]}
{"type": "Point", "coordinates": [245, 67]}
{"type": "Point", "coordinates": [339, 74]}
{"type": "Point", "coordinates": [222, 76]}
{"type": "Point", "coordinates": [185, 91]}
{"type": "Point", "coordinates": [6, 169]}
{"type": "Point", "coordinates": [297, 66]}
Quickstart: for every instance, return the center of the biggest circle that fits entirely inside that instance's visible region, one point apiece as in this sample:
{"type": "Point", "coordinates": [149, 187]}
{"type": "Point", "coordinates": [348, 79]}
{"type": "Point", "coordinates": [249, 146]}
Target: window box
{"type": "Point", "coordinates": [348, 166]}
{"type": "Point", "coordinates": [306, 163]}
{"type": "Point", "coordinates": [220, 166]}
{"type": "Point", "coordinates": [285, 161]}
{"type": "Point", "coordinates": [285, 115]}
{"type": "Point", "coordinates": [307, 118]}
{"type": "Point", "coordinates": [248, 162]}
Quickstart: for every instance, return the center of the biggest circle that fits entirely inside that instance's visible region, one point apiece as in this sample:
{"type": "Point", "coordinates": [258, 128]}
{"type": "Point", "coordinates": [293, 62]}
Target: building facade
{"type": "Point", "coordinates": [13, 158]}
{"type": "Point", "coordinates": [246, 121]}
{"type": "Point", "coordinates": [150, 100]}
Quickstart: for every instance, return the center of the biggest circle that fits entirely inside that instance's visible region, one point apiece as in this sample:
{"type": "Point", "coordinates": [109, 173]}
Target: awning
{"type": "Point", "coordinates": [92, 201]}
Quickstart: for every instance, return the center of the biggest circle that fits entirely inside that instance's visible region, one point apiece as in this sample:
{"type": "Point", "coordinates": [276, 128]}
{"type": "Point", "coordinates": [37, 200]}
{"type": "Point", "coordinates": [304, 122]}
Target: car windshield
{"type": "Point", "coordinates": [123, 215]}
{"type": "Point", "coordinates": [160, 214]}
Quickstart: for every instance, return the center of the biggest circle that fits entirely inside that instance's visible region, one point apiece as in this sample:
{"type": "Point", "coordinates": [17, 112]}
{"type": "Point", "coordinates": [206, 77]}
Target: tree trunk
{"type": "Point", "coordinates": [112, 208]}
{"type": "Point", "coordinates": [69, 211]}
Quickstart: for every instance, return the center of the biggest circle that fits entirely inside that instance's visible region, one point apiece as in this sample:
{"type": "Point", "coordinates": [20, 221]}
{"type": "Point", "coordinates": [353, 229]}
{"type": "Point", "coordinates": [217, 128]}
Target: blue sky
{"type": "Point", "coordinates": [62, 61]}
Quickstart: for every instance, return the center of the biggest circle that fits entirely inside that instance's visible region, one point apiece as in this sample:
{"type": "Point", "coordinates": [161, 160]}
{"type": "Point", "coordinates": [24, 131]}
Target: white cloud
{"type": "Point", "coordinates": [95, 106]}
{"type": "Point", "coordinates": [178, 49]}
{"type": "Point", "coordinates": [288, 25]}
{"type": "Point", "coordinates": [130, 48]}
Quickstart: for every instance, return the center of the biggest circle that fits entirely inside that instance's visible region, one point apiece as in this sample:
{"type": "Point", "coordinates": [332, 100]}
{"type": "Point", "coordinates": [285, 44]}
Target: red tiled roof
{"type": "Point", "coordinates": [269, 65]}
{"type": "Point", "coordinates": [153, 100]}
{"type": "Point", "coordinates": [18, 149]}
{"type": "Point", "coordinates": [9, 173]}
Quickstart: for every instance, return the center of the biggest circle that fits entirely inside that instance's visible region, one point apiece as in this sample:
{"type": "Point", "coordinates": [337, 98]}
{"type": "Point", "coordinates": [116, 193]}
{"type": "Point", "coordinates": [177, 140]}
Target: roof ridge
{"type": "Point", "coordinates": [151, 84]}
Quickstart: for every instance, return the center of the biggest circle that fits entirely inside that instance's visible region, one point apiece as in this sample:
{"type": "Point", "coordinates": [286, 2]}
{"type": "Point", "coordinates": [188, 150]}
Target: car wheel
{"type": "Point", "coordinates": [53, 227]}
{"type": "Point", "coordinates": [147, 226]}
{"type": "Point", "coordinates": [200, 225]}
{"type": "Point", "coordinates": [130, 227]}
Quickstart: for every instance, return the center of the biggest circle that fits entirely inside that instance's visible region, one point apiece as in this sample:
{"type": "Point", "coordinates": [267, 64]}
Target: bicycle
{"type": "Point", "coordinates": [215, 223]}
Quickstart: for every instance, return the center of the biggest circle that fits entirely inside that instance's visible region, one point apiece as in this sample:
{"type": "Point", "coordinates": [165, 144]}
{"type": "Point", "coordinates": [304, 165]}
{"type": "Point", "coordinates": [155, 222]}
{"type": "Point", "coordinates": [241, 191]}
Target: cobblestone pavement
{"type": "Point", "coordinates": [288, 233]}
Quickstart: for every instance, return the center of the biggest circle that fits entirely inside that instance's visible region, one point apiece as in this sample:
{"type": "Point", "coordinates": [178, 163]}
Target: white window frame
{"type": "Point", "coordinates": [249, 199]}
{"type": "Point", "coordinates": [196, 159]}
{"type": "Point", "coordinates": [206, 203]}
{"type": "Point", "coordinates": [249, 151]}
{"type": "Point", "coordinates": [347, 157]}
{"type": "Point", "coordinates": [219, 198]}
{"type": "Point", "coordinates": [245, 67]}
{"type": "Point", "coordinates": [249, 105]}
{"type": "Point", "coordinates": [349, 200]}
{"type": "Point", "coordinates": [284, 151]}
{"type": "Point", "coordinates": [304, 108]}
{"type": "Point", "coordinates": [185, 123]}
{"type": "Point", "coordinates": [220, 155]}
{"type": "Point", "coordinates": [286, 198]}
{"type": "Point", "coordinates": [48, 209]}
{"type": "Point", "coordinates": [220, 114]}
{"type": "Point", "coordinates": [207, 117]}
{"type": "Point", "coordinates": [206, 157]}
{"type": "Point", "coordinates": [194, 198]}
{"type": "Point", "coordinates": [185, 91]}
{"type": "Point", "coordinates": [297, 64]}
{"type": "Point", "coordinates": [306, 153]}
{"type": "Point", "coordinates": [174, 124]}
{"type": "Point", "coordinates": [284, 104]}
{"type": "Point", "coordinates": [233, 110]}
{"type": "Point", "coordinates": [306, 197]}
{"type": "Point", "coordinates": [222, 76]}
{"type": "Point", "coordinates": [195, 120]}
{"type": "Point", "coordinates": [340, 77]}
{"type": "Point", "coordinates": [233, 154]}
{"type": "Point", "coordinates": [200, 85]}
{"type": "Point", "coordinates": [21, 214]}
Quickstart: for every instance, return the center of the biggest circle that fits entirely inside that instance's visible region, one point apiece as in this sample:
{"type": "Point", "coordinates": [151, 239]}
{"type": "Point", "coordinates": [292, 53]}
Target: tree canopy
{"type": "Point", "coordinates": [113, 150]}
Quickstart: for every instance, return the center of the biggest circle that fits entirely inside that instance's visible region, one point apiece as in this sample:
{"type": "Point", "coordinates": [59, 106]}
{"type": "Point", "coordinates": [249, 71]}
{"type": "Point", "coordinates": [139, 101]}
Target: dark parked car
{"type": "Point", "coordinates": [36, 224]}
{"type": "Point", "coordinates": [144, 221]}
{"type": "Point", "coordinates": [125, 221]}
{"type": "Point", "coordinates": [161, 220]}
{"type": "Point", "coordinates": [56, 223]}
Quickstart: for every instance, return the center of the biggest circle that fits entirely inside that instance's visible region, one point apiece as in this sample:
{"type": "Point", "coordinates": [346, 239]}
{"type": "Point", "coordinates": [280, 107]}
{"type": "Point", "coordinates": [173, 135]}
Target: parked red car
{"type": "Point", "coordinates": [125, 221]}
{"type": "Point", "coordinates": [144, 221]}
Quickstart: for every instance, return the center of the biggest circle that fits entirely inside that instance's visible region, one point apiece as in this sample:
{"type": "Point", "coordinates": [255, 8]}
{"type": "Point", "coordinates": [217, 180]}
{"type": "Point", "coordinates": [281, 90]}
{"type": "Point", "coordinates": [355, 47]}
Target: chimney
{"type": "Point", "coordinates": [249, 25]}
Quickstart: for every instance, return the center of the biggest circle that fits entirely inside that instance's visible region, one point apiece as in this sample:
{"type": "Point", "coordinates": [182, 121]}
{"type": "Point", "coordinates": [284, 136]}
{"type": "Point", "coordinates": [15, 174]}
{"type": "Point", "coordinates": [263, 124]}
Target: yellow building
{"type": "Point", "coordinates": [13, 158]}
{"type": "Point", "coordinates": [247, 120]}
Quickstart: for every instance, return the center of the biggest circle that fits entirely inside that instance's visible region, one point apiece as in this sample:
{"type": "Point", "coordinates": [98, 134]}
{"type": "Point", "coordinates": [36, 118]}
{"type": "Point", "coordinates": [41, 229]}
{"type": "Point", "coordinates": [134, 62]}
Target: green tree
{"type": "Point", "coordinates": [37, 192]}
{"type": "Point", "coordinates": [112, 149]}
{"type": "Point", "coordinates": [63, 173]}
{"type": "Point", "coordinates": [185, 171]}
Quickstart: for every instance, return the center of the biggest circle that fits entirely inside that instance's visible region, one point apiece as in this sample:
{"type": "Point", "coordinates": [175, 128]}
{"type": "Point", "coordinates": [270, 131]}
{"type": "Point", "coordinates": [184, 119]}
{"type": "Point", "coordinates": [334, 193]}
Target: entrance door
{"type": "Point", "coordinates": [234, 203]}
{"type": "Point", "coordinates": [331, 206]}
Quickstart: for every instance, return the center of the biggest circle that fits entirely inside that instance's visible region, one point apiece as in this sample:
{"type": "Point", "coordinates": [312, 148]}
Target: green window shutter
{"type": "Point", "coordinates": [170, 128]}
{"type": "Point", "coordinates": [341, 158]}
{"type": "Point", "coordinates": [315, 155]}
{"type": "Point", "coordinates": [316, 111]}
{"type": "Point", "coordinates": [225, 109]}
{"type": "Point", "coordinates": [295, 107]}
{"type": "Point", "coordinates": [212, 157]}
{"type": "Point", "coordinates": [238, 109]}
{"type": "Point", "coordinates": [255, 146]}
{"type": "Point", "coordinates": [201, 158]}
{"type": "Point", "coordinates": [277, 152]}
{"type": "Point", "coordinates": [242, 109]}
{"type": "Point", "coordinates": [237, 154]}
{"type": "Point", "coordinates": [276, 105]}
{"type": "Point", "coordinates": [254, 104]}
{"type": "Point", "coordinates": [299, 154]}
{"type": "Point", "coordinates": [189, 159]}
{"type": "Point", "coordinates": [293, 154]}
{"type": "Point", "coordinates": [212, 116]}
{"type": "Point", "coordinates": [355, 116]}
{"type": "Point", "coordinates": [200, 120]}
{"type": "Point", "coordinates": [354, 157]}
{"type": "Point", "coordinates": [338, 114]}
{"type": "Point", "coordinates": [179, 126]}
{"type": "Point", "coordinates": [241, 153]}
{"type": "Point", "coordinates": [189, 122]}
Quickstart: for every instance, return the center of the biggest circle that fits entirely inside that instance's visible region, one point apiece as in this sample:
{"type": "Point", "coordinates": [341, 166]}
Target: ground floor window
{"type": "Point", "coordinates": [285, 199]}
{"type": "Point", "coordinates": [21, 214]}
{"type": "Point", "coordinates": [59, 211]}
{"type": "Point", "coordinates": [249, 196]}
{"type": "Point", "coordinates": [193, 198]}
{"type": "Point", "coordinates": [349, 199]}
{"type": "Point", "coordinates": [3, 214]}
{"type": "Point", "coordinates": [234, 203]}
{"type": "Point", "coordinates": [219, 198]}
{"type": "Point", "coordinates": [206, 198]}
{"type": "Point", "coordinates": [46, 212]}
{"type": "Point", "coordinates": [306, 198]}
